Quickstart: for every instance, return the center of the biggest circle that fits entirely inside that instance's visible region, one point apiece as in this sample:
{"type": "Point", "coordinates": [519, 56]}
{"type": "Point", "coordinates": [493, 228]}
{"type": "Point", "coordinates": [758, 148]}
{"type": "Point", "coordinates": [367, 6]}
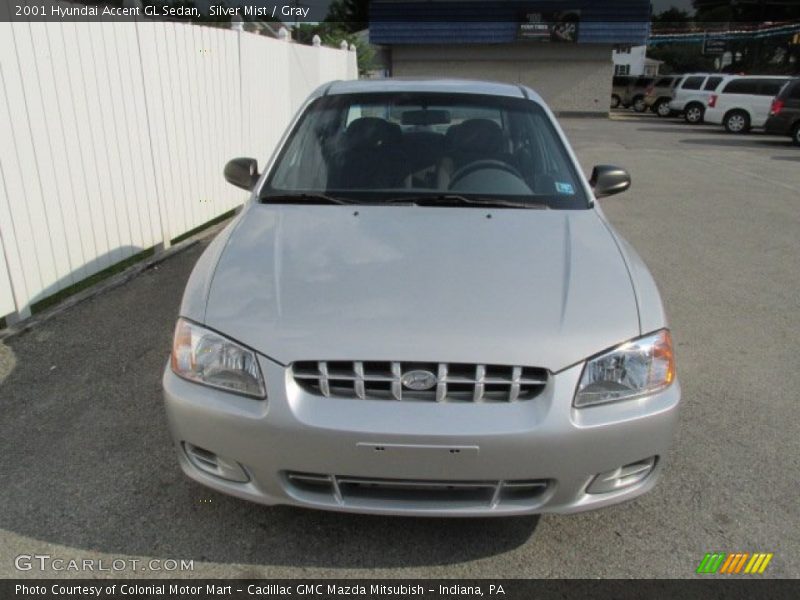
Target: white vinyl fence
{"type": "Point", "coordinates": [113, 137]}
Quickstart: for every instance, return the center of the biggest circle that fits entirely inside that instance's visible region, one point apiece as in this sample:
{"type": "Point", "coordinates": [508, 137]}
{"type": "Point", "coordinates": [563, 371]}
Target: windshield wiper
{"type": "Point", "coordinates": [459, 200]}
{"type": "Point", "coordinates": [304, 199]}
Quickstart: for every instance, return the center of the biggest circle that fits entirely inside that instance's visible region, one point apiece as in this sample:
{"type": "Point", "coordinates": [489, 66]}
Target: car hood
{"type": "Point", "coordinates": [542, 288]}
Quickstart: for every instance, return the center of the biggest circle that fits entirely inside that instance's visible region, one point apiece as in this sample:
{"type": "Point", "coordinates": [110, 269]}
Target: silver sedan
{"type": "Point", "coordinates": [422, 310]}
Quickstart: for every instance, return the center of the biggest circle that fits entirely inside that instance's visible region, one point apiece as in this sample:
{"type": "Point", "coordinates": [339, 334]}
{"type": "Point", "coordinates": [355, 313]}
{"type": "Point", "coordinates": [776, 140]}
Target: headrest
{"type": "Point", "coordinates": [476, 135]}
{"type": "Point", "coordinates": [371, 132]}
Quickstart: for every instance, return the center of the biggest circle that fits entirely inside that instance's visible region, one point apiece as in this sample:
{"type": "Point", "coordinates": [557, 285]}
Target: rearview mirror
{"type": "Point", "coordinates": [426, 117]}
{"type": "Point", "coordinates": [608, 180]}
{"type": "Point", "coordinates": [242, 172]}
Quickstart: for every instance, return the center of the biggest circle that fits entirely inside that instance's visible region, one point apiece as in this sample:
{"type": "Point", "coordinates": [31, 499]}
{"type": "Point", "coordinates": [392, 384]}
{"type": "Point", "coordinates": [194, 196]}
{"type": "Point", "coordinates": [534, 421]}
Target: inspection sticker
{"type": "Point", "coordinates": [564, 188]}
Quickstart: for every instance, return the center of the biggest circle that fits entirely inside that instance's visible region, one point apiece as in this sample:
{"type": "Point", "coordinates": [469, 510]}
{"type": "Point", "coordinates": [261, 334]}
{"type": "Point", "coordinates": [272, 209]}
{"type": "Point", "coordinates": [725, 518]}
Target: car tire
{"type": "Point", "coordinates": [662, 108]}
{"type": "Point", "coordinates": [694, 113]}
{"type": "Point", "coordinates": [796, 134]}
{"type": "Point", "coordinates": [638, 104]}
{"type": "Point", "coordinates": [615, 101]}
{"type": "Point", "coordinates": [737, 121]}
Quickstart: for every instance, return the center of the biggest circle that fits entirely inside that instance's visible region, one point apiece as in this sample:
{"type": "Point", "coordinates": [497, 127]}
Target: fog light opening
{"type": "Point", "coordinates": [214, 464]}
{"type": "Point", "coordinates": [622, 477]}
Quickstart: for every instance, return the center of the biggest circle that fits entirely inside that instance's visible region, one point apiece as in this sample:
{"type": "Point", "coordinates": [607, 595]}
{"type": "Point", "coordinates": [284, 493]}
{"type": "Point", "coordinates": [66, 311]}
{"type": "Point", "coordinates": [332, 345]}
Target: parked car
{"type": "Point", "coordinates": [659, 94]}
{"type": "Point", "coordinates": [784, 115]}
{"type": "Point", "coordinates": [402, 321]}
{"type": "Point", "coordinates": [636, 92]}
{"type": "Point", "coordinates": [619, 89]}
{"type": "Point", "coordinates": [743, 101]}
{"type": "Point", "coordinates": [691, 93]}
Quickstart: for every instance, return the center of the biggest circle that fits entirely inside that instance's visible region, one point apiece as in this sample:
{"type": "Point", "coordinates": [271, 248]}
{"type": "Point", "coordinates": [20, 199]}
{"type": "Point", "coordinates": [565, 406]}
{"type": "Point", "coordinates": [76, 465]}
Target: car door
{"type": "Point", "coordinates": [690, 86]}
{"type": "Point", "coordinates": [792, 97]}
{"type": "Point", "coordinates": [709, 86]}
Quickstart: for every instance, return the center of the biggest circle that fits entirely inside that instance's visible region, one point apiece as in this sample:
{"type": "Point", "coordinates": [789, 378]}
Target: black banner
{"type": "Point", "coordinates": [409, 11]}
{"type": "Point", "coordinates": [376, 589]}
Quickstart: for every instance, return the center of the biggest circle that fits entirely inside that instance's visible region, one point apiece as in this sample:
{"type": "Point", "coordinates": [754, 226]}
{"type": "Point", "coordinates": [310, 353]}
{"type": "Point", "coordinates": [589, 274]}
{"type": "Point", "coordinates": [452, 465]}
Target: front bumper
{"type": "Point", "coordinates": [544, 439]}
{"type": "Point", "coordinates": [677, 105]}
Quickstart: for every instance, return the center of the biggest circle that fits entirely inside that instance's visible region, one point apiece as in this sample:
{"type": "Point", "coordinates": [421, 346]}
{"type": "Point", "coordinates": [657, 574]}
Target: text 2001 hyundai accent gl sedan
{"type": "Point", "coordinates": [422, 310]}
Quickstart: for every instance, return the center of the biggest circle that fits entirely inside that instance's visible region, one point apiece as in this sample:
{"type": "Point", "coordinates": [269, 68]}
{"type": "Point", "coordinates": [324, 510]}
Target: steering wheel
{"type": "Point", "coordinates": [477, 165]}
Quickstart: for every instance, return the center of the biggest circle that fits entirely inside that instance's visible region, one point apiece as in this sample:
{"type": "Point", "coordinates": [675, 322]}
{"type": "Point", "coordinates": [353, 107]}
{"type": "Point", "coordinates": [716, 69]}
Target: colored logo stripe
{"type": "Point", "coordinates": [722, 563]}
{"type": "Point", "coordinates": [734, 563]}
{"type": "Point", "coordinates": [758, 564]}
{"type": "Point", "coordinates": [711, 562]}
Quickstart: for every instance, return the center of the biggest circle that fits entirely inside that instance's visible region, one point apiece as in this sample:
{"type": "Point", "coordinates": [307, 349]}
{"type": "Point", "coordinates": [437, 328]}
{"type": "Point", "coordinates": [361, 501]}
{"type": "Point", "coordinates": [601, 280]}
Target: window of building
{"type": "Point", "coordinates": [622, 69]}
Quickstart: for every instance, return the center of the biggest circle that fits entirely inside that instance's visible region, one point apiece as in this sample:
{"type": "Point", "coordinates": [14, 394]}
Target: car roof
{"type": "Point", "coordinates": [734, 76]}
{"type": "Point", "coordinates": [453, 86]}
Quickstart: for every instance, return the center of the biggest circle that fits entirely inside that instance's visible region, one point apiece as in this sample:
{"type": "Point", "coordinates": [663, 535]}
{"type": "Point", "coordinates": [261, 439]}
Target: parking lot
{"type": "Point", "coordinates": [89, 471]}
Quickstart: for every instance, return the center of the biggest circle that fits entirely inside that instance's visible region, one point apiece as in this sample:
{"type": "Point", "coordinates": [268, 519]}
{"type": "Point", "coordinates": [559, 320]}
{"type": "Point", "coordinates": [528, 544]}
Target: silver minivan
{"type": "Point", "coordinates": [422, 310]}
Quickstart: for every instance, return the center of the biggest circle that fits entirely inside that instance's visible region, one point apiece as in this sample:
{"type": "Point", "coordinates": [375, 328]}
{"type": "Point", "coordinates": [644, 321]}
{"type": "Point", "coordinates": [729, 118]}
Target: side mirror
{"type": "Point", "coordinates": [242, 172]}
{"type": "Point", "coordinates": [607, 180]}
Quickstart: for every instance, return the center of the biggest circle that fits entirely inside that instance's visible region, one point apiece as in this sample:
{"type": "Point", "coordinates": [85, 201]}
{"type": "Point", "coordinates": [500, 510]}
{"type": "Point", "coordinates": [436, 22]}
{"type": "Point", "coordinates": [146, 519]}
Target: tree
{"type": "Point", "coordinates": [672, 18]}
{"type": "Point", "coordinates": [351, 15]}
{"type": "Point", "coordinates": [754, 11]}
{"type": "Point", "coordinates": [681, 58]}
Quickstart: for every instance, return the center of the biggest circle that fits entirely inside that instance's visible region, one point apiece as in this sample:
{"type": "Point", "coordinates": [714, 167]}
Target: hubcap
{"type": "Point", "coordinates": [663, 109]}
{"type": "Point", "coordinates": [736, 123]}
{"type": "Point", "coordinates": [693, 114]}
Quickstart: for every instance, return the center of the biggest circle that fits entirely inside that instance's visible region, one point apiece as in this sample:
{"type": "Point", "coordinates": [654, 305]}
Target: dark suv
{"type": "Point", "coordinates": [784, 116]}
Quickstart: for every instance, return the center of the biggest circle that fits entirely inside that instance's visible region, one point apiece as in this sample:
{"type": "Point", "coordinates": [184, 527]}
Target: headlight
{"type": "Point", "coordinates": [636, 368]}
{"type": "Point", "coordinates": [206, 357]}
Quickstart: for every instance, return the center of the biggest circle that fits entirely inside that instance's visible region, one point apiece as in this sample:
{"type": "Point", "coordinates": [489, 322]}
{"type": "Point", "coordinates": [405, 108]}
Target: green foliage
{"type": "Point", "coordinates": [773, 55]}
{"type": "Point", "coordinates": [753, 11]}
{"type": "Point", "coordinates": [349, 15]}
{"type": "Point", "coordinates": [672, 18]}
{"type": "Point", "coordinates": [681, 58]}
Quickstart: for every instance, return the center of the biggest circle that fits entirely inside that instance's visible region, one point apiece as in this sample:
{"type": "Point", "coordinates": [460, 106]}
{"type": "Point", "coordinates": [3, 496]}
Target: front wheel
{"type": "Point", "coordinates": [693, 114]}
{"type": "Point", "coordinates": [796, 135]}
{"type": "Point", "coordinates": [662, 108]}
{"type": "Point", "coordinates": [615, 101]}
{"type": "Point", "coordinates": [639, 105]}
{"type": "Point", "coordinates": [737, 121]}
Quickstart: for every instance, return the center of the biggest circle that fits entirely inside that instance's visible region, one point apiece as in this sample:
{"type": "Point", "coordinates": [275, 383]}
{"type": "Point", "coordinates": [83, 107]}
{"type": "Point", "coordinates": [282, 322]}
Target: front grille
{"type": "Point", "coordinates": [448, 382]}
{"type": "Point", "coordinates": [353, 490]}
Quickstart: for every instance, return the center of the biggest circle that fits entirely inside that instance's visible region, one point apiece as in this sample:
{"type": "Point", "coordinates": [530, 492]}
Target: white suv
{"type": "Point", "coordinates": [742, 102]}
{"type": "Point", "coordinates": [691, 94]}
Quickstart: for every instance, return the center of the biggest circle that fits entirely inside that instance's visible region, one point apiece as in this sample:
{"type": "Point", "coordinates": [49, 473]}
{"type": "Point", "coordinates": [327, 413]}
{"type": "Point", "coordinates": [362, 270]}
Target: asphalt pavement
{"type": "Point", "coordinates": [88, 469]}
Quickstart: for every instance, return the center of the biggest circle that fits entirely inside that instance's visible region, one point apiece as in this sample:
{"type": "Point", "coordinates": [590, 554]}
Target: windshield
{"type": "Point", "coordinates": [389, 147]}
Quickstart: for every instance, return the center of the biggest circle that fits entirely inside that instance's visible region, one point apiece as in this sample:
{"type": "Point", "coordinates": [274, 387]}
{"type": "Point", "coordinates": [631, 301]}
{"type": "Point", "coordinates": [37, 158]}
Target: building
{"type": "Point", "coordinates": [560, 48]}
{"type": "Point", "coordinates": [632, 60]}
